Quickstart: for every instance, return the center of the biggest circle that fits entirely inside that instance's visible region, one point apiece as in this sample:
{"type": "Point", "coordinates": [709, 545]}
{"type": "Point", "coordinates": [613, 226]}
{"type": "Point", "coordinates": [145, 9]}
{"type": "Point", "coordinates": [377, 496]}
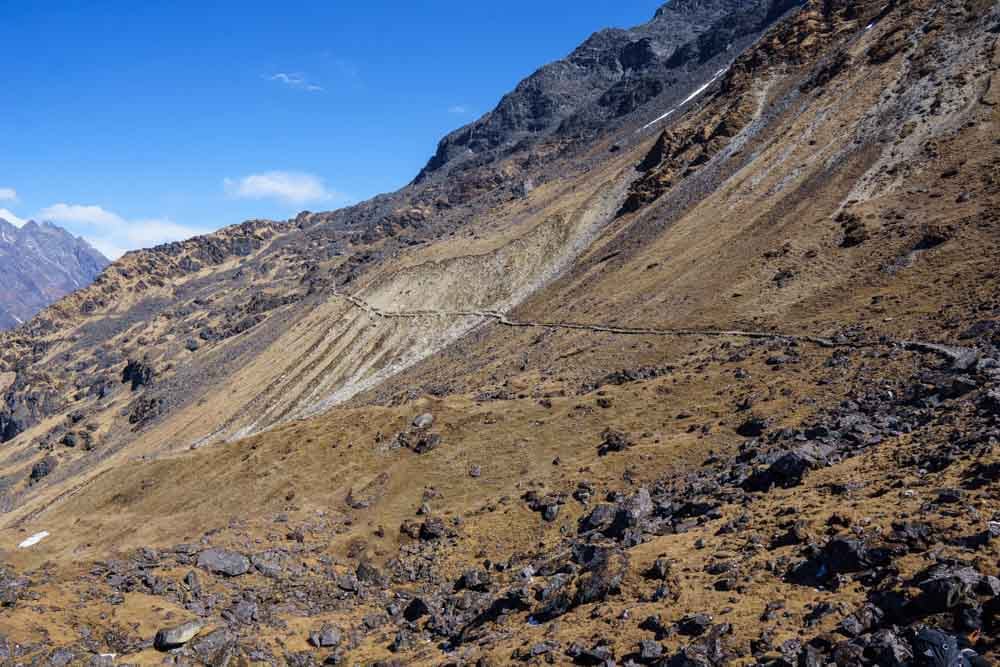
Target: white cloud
{"type": "Point", "coordinates": [458, 109]}
{"type": "Point", "coordinates": [111, 233]}
{"type": "Point", "coordinates": [82, 215]}
{"type": "Point", "coordinates": [9, 216]}
{"type": "Point", "coordinates": [298, 81]}
{"type": "Point", "coordinates": [143, 233]}
{"type": "Point", "coordinates": [8, 194]}
{"type": "Point", "coordinates": [288, 186]}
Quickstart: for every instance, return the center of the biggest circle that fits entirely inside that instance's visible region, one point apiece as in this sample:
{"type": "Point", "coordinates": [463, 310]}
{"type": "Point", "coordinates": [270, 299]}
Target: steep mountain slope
{"type": "Point", "coordinates": [40, 263]}
{"type": "Point", "coordinates": [609, 76]}
{"type": "Point", "coordinates": [183, 310]}
{"type": "Point", "coordinates": [718, 388]}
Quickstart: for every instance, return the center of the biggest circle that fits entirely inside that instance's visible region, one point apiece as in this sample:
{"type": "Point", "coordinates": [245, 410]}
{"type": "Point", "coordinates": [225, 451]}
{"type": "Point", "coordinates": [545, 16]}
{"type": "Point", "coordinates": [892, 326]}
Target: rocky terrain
{"type": "Point", "coordinates": [709, 375]}
{"type": "Point", "coordinates": [39, 264]}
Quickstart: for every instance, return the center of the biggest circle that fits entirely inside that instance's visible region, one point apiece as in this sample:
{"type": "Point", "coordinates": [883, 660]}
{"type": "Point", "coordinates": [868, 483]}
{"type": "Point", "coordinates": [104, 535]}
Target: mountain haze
{"type": "Point", "coordinates": [687, 353]}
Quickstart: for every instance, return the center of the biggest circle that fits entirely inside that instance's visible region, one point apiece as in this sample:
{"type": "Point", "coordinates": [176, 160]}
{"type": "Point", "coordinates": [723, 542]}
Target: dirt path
{"type": "Point", "coordinates": [956, 355]}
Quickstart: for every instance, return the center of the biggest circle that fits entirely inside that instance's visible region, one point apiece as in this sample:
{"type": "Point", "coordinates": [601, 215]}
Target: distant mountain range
{"type": "Point", "coordinates": [39, 264]}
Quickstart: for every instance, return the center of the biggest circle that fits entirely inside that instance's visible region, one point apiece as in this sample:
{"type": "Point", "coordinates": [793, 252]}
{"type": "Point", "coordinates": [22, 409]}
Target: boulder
{"type": "Point", "coordinates": [329, 636]}
{"type": "Point", "coordinates": [369, 574]}
{"type": "Point", "coordinates": [605, 573]}
{"type": "Point", "coordinates": [862, 621]}
{"type": "Point", "coordinates": [842, 555]}
{"type": "Point", "coordinates": [193, 583]}
{"type": "Point", "coordinates": [433, 529]}
{"type": "Point", "coordinates": [220, 561]}
{"type": "Point", "coordinates": [694, 625]}
{"type": "Point", "coordinates": [917, 536]}
{"type": "Point", "coordinates": [426, 443]}
{"type": "Point", "coordinates": [604, 570]}
{"type": "Point", "coordinates": [599, 518]}
{"type": "Point", "coordinates": [707, 651]}
{"type": "Point", "coordinates": [601, 655]}
{"type": "Point", "coordinates": [790, 468]}
{"type": "Point", "coordinates": [945, 587]}
{"type": "Point", "coordinates": [475, 580]}
{"type": "Point", "coordinates": [137, 374]}
{"type": "Point", "coordinates": [650, 651]}
{"type": "Point", "coordinates": [171, 638]}
{"type": "Point", "coordinates": [217, 648]}
{"type": "Point", "coordinates": [753, 427]}
{"type": "Point", "coordinates": [636, 509]}
{"type": "Point", "coordinates": [244, 612]}
{"type": "Point", "coordinates": [887, 648]}
{"type": "Point", "coordinates": [62, 657]}
{"type": "Point", "coordinates": [43, 468]}
{"type": "Point", "coordinates": [416, 609]}
{"type": "Point", "coordinates": [424, 421]}
{"type": "Point", "coordinates": [349, 583]}
{"type": "Point", "coordinates": [614, 441]}
{"type": "Point", "coordinates": [269, 563]}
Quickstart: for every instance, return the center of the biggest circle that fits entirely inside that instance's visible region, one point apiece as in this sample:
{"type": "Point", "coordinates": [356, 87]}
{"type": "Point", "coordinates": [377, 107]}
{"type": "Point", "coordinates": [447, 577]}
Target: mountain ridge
{"type": "Point", "coordinates": [40, 263]}
{"type": "Point", "coordinates": [595, 83]}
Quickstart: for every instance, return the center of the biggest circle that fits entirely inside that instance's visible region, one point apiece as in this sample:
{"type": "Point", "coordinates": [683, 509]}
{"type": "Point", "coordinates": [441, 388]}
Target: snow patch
{"type": "Point", "coordinates": [33, 540]}
{"type": "Point", "coordinates": [690, 97]}
{"type": "Point", "coordinates": [666, 115]}
{"type": "Point", "coordinates": [705, 87]}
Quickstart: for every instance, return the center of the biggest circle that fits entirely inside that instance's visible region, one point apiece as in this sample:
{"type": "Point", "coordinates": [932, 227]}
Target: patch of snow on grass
{"type": "Point", "coordinates": [33, 540]}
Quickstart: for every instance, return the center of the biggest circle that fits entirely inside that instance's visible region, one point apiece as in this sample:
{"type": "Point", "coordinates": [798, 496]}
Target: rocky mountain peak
{"type": "Point", "coordinates": [612, 74]}
{"type": "Point", "coordinates": [39, 264]}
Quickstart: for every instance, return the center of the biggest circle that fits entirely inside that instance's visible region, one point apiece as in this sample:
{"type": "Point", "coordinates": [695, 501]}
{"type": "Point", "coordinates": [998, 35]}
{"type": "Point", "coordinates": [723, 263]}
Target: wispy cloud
{"type": "Point", "coordinates": [78, 214]}
{"type": "Point", "coordinates": [113, 234]}
{"type": "Point", "coordinates": [458, 109]}
{"type": "Point", "coordinates": [293, 80]}
{"type": "Point", "coordinates": [9, 216]}
{"type": "Point", "coordinates": [8, 194]}
{"type": "Point", "coordinates": [288, 186]}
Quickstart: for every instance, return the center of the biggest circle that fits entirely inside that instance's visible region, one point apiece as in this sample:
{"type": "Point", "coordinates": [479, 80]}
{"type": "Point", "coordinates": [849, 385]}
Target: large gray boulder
{"type": "Point", "coordinates": [171, 638]}
{"type": "Point", "coordinates": [220, 561]}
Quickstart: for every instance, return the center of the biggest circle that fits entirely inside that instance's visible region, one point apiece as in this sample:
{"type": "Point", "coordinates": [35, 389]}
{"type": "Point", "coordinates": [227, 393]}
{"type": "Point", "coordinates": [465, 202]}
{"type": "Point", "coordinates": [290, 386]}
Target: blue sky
{"type": "Point", "coordinates": [132, 123]}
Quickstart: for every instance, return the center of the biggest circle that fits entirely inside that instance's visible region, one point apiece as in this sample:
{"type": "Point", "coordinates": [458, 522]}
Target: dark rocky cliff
{"type": "Point", "coordinates": [612, 74]}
